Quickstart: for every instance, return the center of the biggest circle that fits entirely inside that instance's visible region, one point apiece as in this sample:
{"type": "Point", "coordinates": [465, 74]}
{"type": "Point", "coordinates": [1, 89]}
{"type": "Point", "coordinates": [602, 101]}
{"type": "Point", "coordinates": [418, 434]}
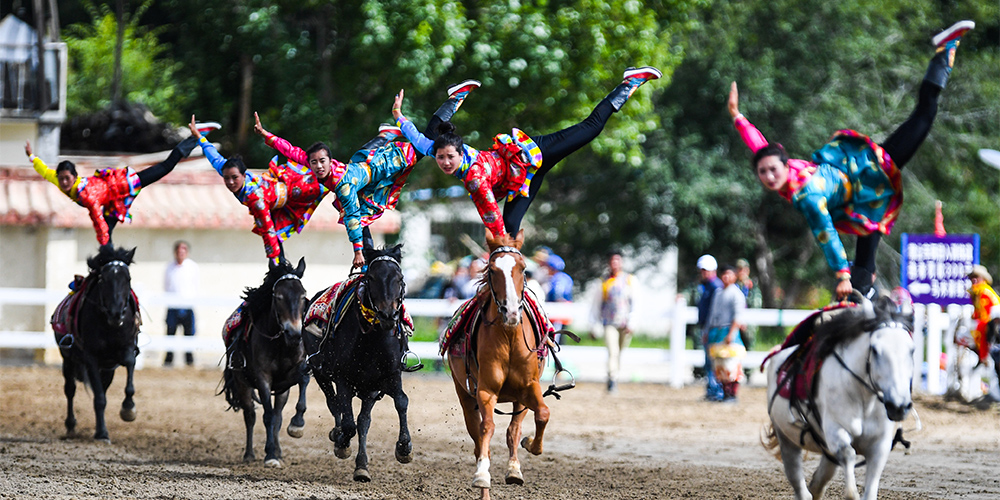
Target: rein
{"type": "Point", "coordinates": [289, 276]}
{"type": "Point", "coordinates": [100, 297]}
{"type": "Point", "coordinates": [489, 281]}
{"type": "Point", "coordinates": [368, 311]}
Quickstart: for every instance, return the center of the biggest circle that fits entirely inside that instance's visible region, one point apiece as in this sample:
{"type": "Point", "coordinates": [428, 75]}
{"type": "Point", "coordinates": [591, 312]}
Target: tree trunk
{"type": "Point", "coordinates": [116, 81]}
{"type": "Point", "coordinates": [246, 92]}
{"type": "Point", "coordinates": [765, 265]}
{"type": "Point", "coordinates": [41, 86]}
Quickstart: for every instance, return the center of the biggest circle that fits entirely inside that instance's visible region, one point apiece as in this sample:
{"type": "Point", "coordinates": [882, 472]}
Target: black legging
{"type": "Point", "coordinates": [554, 148]}
{"type": "Point", "coordinates": [901, 146]}
{"type": "Point", "coordinates": [148, 176]}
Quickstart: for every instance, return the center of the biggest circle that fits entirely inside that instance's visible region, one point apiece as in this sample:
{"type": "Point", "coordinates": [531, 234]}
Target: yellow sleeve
{"type": "Point", "coordinates": [44, 170]}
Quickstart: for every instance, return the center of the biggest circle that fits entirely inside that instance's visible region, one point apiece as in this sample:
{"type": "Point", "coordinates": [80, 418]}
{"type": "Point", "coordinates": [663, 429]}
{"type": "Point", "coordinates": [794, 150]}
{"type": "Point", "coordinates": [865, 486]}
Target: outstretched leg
{"type": "Point", "coordinates": [361, 473]}
{"type": "Point", "coordinates": [156, 172]}
{"type": "Point", "coordinates": [903, 143]}
{"type": "Point", "coordinates": [514, 475]}
{"type": "Point", "coordinates": [791, 457]}
{"type": "Point", "coordinates": [456, 96]}
{"type": "Point", "coordinates": [298, 422]}
{"type": "Point", "coordinates": [69, 388]}
{"type": "Point", "coordinates": [558, 145]}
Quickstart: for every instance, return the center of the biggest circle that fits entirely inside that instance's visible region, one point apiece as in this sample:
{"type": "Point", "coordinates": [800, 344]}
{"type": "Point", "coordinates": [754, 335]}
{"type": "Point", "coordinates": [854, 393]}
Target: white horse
{"type": "Point", "coordinates": [862, 390]}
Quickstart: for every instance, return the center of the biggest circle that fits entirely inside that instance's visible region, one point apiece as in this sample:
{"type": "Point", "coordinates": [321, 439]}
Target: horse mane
{"type": "Point", "coordinates": [850, 323]}
{"type": "Point", "coordinates": [259, 298]}
{"type": "Point", "coordinates": [108, 253]}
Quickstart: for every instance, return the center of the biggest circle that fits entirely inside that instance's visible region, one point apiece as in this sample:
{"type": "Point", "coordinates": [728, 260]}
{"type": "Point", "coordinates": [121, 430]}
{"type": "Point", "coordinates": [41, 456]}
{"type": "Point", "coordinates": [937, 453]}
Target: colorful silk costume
{"type": "Point", "coordinates": [851, 185]}
{"type": "Point", "coordinates": [109, 192]}
{"type": "Point", "coordinates": [984, 299]}
{"type": "Point", "coordinates": [281, 200]}
{"type": "Point", "coordinates": [505, 170]}
{"type": "Point", "coordinates": [364, 190]}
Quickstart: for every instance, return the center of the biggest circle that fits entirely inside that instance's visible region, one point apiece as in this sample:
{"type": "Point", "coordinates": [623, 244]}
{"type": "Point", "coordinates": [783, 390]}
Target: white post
{"type": "Point", "coordinates": [936, 322]}
{"type": "Point", "coordinates": [678, 328]}
{"type": "Point", "coordinates": [919, 314]}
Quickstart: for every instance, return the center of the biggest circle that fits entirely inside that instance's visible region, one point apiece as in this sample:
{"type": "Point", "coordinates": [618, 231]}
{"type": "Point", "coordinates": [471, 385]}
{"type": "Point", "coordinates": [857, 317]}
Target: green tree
{"type": "Point", "coordinates": [148, 75]}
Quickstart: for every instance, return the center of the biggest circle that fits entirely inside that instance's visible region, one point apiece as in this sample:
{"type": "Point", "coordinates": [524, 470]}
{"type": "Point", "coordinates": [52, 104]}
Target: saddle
{"type": "Point", "coordinates": [233, 329]}
{"type": "Point", "coordinates": [459, 336]}
{"type": "Point", "coordinates": [65, 317]}
{"type": "Point", "coordinates": [796, 377]}
{"type": "Point", "coordinates": [335, 300]}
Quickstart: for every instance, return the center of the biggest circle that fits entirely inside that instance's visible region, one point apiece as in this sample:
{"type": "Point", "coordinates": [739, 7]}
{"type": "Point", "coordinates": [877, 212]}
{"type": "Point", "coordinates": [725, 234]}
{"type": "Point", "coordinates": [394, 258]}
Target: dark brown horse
{"type": "Point", "coordinates": [270, 359]}
{"type": "Point", "coordinates": [103, 336]}
{"type": "Point", "coordinates": [503, 364]}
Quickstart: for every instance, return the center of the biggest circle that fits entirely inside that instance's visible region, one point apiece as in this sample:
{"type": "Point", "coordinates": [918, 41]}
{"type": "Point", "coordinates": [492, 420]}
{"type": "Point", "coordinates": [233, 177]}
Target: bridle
{"type": "Point", "coordinates": [870, 382]}
{"type": "Point", "coordinates": [502, 309]}
{"type": "Point", "coordinates": [274, 313]}
{"type": "Point", "coordinates": [100, 296]}
{"type": "Point", "coordinates": [368, 311]}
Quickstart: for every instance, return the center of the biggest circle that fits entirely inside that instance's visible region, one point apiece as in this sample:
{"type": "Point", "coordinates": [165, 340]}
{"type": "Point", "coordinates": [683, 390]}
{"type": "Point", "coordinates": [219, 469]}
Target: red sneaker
{"type": "Point", "coordinates": [460, 90]}
{"type": "Point", "coordinates": [205, 128]}
{"type": "Point", "coordinates": [954, 32]}
{"type": "Point", "coordinates": [642, 74]}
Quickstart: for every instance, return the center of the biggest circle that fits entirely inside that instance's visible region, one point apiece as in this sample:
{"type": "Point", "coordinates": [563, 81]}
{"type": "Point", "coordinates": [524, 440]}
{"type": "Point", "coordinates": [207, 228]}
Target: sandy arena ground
{"type": "Point", "coordinates": [648, 441]}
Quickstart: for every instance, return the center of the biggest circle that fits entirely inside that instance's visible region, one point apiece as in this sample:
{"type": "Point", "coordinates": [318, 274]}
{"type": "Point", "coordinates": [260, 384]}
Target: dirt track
{"type": "Point", "coordinates": [648, 441]}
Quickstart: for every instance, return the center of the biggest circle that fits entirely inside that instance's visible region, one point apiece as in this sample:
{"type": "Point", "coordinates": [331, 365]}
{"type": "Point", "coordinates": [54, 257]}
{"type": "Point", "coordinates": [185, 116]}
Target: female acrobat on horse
{"type": "Point", "coordinates": [516, 164]}
{"type": "Point", "coordinates": [852, 185]}
{"type": "Point", "coordinates": [108, 194]}
{"type": "Point", "coordinates": [281, 200]}
{"type": "Point", "coordinates": [365, 187]}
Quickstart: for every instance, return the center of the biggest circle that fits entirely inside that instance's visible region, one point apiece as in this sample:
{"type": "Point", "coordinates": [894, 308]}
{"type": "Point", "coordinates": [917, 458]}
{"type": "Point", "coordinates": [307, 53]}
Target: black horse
{"type": "Point", "coordinates": [267, 356]}
{"type": "Point", "coordinates": [103, 327]}
{"type": "Point", "coordinates": [361, 351]}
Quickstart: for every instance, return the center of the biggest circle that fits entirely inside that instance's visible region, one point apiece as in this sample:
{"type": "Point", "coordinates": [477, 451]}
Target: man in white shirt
{"type": "Point", "coordinates": [181, 279]}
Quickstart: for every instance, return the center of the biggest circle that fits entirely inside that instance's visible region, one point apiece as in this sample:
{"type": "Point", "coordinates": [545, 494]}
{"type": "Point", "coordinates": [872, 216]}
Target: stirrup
{"type": "Point", "coordinates": [410, 369]}
{"type": "Point", "coordinates": [63, 341]}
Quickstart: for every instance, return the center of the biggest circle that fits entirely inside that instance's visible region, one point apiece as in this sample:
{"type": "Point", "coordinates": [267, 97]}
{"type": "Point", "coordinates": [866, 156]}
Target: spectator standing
{"type": "Point", "coordinates": [616, 310]}
{"type": "Point", "coordinates": [710, 283]}
{"type": "Point", "coordinates": [560, 287]}
{"type": "Point", "coordinates": [723, 340]}
{"type": "Point", "coordinates": [755, 299]}
{"type": "Point", "coordinates": [181, 280]}
{"type": "Point", "coordinates": [984, 298]}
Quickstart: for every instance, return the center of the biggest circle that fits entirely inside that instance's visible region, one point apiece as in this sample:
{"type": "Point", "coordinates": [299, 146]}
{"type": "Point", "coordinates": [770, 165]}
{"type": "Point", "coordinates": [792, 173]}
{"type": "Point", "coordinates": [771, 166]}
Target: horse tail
{"type": "Point", "coordinates": [229, 389]}
{"type": "Point", "coordinates": [769, 440]}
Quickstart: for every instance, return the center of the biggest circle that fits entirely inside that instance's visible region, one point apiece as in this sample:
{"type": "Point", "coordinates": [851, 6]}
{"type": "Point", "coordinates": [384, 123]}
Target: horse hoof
{"type": "Point", "coordinates": [481, 480]}
{"type": "Point", "coordinates": [362, 476]}
{"type": "Point", "coordinates": [105, 440]}
{"type": "Point", "coordinates": [128, 414]}
{"type": "Point", "coordinates": [248, 458]}
{"type": "Point", "coordinates": [514, 475]}
{"type": "Point", "coordinates": [333, 434]}
{"type": "Point", "coordinates": [404, 459]}
{"type": "Point", "coordinates": [295, 431]}
{"type": "Point", "coordinates": [342, 453]}
{"type": "Point", "coordinates": [272, 462]}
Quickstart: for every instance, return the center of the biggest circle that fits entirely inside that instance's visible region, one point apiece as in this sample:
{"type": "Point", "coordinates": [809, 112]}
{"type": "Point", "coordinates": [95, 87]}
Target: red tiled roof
{"type": "Point", "coordinates": [192, 196]}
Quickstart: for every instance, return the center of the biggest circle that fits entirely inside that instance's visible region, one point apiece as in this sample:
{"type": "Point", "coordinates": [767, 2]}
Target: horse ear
{"type": "Point", "coordinates": [519, 240]}
{"type": "Point", "coordinates": [131, 255]}
{"type": "Point", "coordinates": [397, 251]}
{"type": "Point", "coordinates": [271, 265]}
{"type": "Point", "coordinates": [489, 236]}
{"type": "Point", "coordinates": [301, 268]}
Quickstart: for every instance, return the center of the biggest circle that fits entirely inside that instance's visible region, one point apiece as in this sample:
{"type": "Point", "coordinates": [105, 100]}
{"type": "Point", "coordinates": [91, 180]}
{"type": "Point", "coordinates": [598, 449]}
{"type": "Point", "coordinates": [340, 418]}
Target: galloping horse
{"type": "Point", "coordinates": [502, 364]}
{"type": "Point", "coordinates": [862, 389]}
{"type": "Point", "coordinates": [267, 356]}
{"type": "Point", "coordinates": [359, 349]}
{"type": "Point", "coordinates": [103, 315]}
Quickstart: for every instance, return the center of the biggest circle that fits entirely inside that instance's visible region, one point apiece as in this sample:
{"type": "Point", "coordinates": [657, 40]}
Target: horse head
{"type": "Point", "coordinates": [891, 358]}
{"type": "Point", "coordinates": [113, 283]}
{"type": "Point", "coordinates": [505, 275]}
{"type": "Point", "coordinates": [288, 299]}
{"type": "Point", "coordinates": [384, 287]}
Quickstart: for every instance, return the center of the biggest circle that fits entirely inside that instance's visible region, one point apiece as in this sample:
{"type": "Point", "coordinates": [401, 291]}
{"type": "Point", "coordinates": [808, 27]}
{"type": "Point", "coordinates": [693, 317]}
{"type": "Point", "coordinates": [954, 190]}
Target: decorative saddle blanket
{"type": "Point", "coordinates": [233, 327]}
{"type": "Point", "coordinates": [65, 317]}
{"type": "Point", "coordinates": [333, 303]}
{"type": "Point", "coordinates": [795, 377]}
{"type": "Point", "coordinates": [458, 337]}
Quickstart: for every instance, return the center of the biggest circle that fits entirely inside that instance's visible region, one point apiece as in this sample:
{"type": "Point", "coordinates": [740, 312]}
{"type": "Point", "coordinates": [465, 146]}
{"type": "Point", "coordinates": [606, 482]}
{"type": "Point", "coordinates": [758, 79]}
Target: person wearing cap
{"type": "Point", "coordinates": [723, 340]}
{"type": "Point", "coordinates": [984, 298]}
{"type": "Point", "coordinates": [108, 194]}
{"type": "Point", "coordinates": [365, 187]}
{"type": "Point", "coordinates": [754, 298]}
{"type": "Point", "coordinates": [560, 283]}
{"type": "Point", "coordinates": [710, 283]}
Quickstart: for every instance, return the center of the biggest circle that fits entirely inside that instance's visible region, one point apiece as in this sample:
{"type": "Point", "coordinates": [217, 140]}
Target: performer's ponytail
{"type": "Point", "coordinates": [447, 137]}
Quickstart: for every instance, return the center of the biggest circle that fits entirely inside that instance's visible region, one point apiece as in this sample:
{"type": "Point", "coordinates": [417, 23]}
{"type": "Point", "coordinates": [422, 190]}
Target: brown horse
{"type": "Point", "coordinates": [502, 364]}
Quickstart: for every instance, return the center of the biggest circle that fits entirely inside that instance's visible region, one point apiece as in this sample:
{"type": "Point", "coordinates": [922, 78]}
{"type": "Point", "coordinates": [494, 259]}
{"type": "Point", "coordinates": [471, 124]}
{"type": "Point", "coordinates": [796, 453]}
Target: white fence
{"type": "Point", "coordinates": [673, 365]}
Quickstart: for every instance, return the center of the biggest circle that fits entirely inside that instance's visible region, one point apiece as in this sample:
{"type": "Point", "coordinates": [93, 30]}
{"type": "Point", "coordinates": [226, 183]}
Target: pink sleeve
{"type": "Point", "coordinates": [750, 135]}
{"type": "Point", "coordinates": [296, 154]}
